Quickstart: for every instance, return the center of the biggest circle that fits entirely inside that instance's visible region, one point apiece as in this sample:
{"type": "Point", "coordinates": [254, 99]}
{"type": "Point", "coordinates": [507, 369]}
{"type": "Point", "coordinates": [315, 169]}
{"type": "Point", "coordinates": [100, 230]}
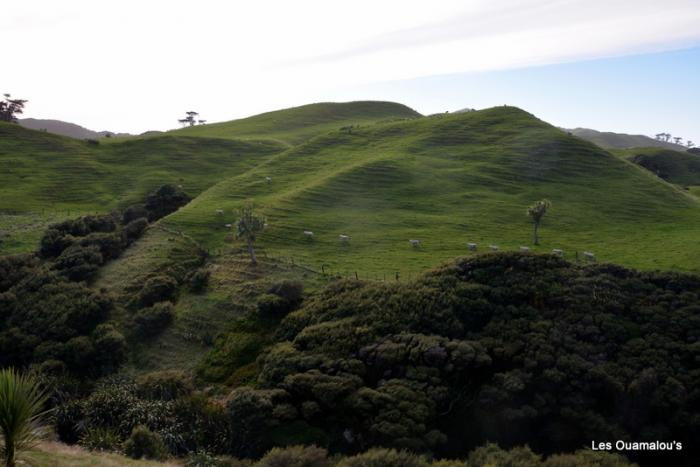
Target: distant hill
{"type": "Point", "coordinates": [59, 127]}
{"type": "Point", "coordinates": [610, 140]}
{"type": "Point", "coordinates": [298, 124]}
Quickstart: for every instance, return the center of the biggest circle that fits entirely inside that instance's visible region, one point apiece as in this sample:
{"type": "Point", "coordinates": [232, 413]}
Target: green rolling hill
{"type": "Point", "coordinates": [444, 180]}
{"type": "Point", "coordinates": [448, 180]}
{"type": "Point", "coordinates": [680, 168]}
{"type": "Point", "coordinates": [47, 177]}
{"type": "Point", "coordinates": [298, 124]}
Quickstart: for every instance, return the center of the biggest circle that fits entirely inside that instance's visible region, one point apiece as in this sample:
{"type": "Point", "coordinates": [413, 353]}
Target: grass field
{"type": "Point", "coordinates": [52, 454]}
{"type": "Point", "coordinates": [446, 181]}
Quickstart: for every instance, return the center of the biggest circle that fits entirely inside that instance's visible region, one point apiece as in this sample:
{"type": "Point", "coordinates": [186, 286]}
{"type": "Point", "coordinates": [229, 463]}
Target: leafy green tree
{"type": "Point", "coordinates": [21, 412]}
{"type": "Point", "coordinates": [248, 226]}
{"type": "Point", "coordinates": [537, 212]}
{"type": "Point", "coordinates": [10, 107]}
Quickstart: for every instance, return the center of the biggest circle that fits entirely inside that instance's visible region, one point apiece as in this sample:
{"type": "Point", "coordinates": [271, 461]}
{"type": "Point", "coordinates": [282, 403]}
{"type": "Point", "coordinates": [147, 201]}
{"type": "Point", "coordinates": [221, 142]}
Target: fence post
{"type": "Point", "coordinates": [356, 277]}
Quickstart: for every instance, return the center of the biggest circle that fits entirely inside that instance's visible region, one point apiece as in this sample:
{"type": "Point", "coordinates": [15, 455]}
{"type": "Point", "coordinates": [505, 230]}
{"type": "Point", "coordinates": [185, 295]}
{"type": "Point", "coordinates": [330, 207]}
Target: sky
{"type": "Point", "coordinates": [133, 66]}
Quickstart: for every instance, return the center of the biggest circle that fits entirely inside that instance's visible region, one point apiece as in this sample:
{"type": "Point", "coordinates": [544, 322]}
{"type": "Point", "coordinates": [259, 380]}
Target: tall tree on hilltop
{"type": "Point", "coordinates": [248, 226]}
{"type": "Point", "coordinates": [536, 213]}
{"type": "Point", "coordinates": [9, 108]}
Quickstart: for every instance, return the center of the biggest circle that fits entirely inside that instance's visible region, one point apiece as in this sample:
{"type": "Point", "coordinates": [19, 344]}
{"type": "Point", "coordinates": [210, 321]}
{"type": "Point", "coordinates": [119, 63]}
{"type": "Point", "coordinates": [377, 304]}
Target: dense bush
{"type": "Point", "coordinates": [198, 280]}
{"type": "Point", "coordinates": [281, 298]}
{"type": "Point", "coordinates": [164, 385]}
{"type": "Point", "coordinates": [144, 444]}
{"type": "Point", "coordinates": [152, 320]}
{"type": "Point", "coordinates": [79, 263]}
{"type": "Point", "coordinates": [157, 289]}
{"type": "Point", "coordinates": [53, 242]}
{"type": "Point", "coordinates": [512, 348]}
{"type": "Point", "coordinates": [110, 245]}
{"type": "Point", "coordinates": [134, 229]}
{"type": "Point", "coordinates": [164, 200]}
{"type": "Point", "coordinates": [100, 439]}
{"type": "Point", "coordinates": [136, 211]}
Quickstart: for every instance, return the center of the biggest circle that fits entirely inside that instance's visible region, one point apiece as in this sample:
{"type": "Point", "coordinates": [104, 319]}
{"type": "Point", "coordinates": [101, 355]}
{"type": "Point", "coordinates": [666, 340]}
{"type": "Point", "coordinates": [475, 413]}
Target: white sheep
{"type": "Point", "coordinates": [414, 243]}
{"type": "Point", "coordinates": [268, 179]}
{"type": "Point", "coordinates": [558, 252]}
{"type": "Point", "coordinates": [494, 247]}
{"type": "Point", "coordinates": [525, 248]}
{"type": "Point", "coordinates": [308, 234]}
{"type": "Point", "coordinates": [471, 246]}
{"type": "Point", "coordinates": [220, 212]}
{"type": "Point", "coordinates": [344, 238]}
{"type": "Point", "coordinates": [228, 226]}
{"type": "Point", "coordinates": [588, 255]}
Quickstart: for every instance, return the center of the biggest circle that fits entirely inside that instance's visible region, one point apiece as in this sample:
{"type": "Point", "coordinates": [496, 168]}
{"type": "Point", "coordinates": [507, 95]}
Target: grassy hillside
{"type": "Point", "coordinates": [299, 124]}
{"type": "Point", "coordinates": [47, 177]}
{"type": "Point", "coordinates": [446, 181]}
{"type": "Point", "coordinates": [610, 140]}
{"type": "Point", "coordinates": [680, 168]}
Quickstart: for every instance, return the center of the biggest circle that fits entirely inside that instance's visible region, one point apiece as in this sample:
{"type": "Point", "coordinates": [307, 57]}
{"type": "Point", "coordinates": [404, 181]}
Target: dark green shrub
{"type": "Point", "coordinates": [272, 306]}
{"type": "Point", "coordinates": [109, 244]}
{"type": "Point", "coordinates": [79, 263]}
{"type": "Point", "coordinates": [164, 385]}
{"type": "Point", "coordinates": [385, 458]}
{"type": "Point", "coordinates": [290, 290]}
{"type": "Point", "coordinates": [134, 212]}
{"type": "Point", "coordinates": [152, 320]}
{"type": "Point", "coordinates": [69, 421]}
{"type": "Point", "coordinates": [164, 200]}
{"type": "Point", "coordinates": [100, 439]}
{"type": "Point", "coordinates": [198, 280]}
{"type": "Point", "coordinates": [100, 223]}
{"type": "Point", "coordinates": [143, 443]}
{"type": "Point", "coordinates": [295, 456]}
{"type": "Point", "coordinates": [53, 242]}
{"type": "Point", "coordinates": [110, 349]}
{"type": "Point", "coordinates": [492, 454]}
{"type": "Point", "coordinates": [134, 229]}
{"type": "Point", "coordinates": [157, 289]}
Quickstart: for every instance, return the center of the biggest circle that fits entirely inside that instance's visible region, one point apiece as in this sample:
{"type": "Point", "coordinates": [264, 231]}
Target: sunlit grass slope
{"type": "Point", "coordinates": [446, 181]}
{"type": "Point", "coordinates": [299, 124]}
{"type": "Point", "coordinates": [47, 177]}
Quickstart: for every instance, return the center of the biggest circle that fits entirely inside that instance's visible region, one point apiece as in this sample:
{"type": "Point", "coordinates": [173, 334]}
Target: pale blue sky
{"type": "Point", "coordinates": [638, 94]}
{"type": "Point", "coordinates": [135, 65]}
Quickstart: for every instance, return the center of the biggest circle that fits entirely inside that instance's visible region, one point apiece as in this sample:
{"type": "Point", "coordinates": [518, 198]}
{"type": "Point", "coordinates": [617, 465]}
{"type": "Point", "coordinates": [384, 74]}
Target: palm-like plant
{"type": "Point", "coordinates": [537, 212]}
{"type": "Point", "coordinates": [21, 413]}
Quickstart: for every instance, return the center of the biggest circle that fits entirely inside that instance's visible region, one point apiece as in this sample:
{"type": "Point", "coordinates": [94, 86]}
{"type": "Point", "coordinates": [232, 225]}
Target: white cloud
{"type": "Point", "coordinates": [133, 65]}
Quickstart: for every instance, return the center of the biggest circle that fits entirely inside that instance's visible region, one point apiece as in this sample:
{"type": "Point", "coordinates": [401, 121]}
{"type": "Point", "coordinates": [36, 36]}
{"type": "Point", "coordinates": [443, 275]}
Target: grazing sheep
{"type": "Point", "coordinates": [588, 255]}
{"type": "Point", "coordinates": [228, 226]}
{"type": "Point", "coordinates": [558, 252]}
{"type": "Point", "coordinates": [414, 243]}
{"type": "Point", "coordinates": [308, 234]}
{"type": "Point", "coordinates": [344, 238]}
{"type": "Point", "coordinates": [471, 246]}
{"type": "Point", "coordinates": [268, 179]}
{"type": "Point", "coordinates": [494, 247]}
{"type": "Point", "coordinates": [220, 211]}
{"type": "Point", "coordinates": [525, 248]}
